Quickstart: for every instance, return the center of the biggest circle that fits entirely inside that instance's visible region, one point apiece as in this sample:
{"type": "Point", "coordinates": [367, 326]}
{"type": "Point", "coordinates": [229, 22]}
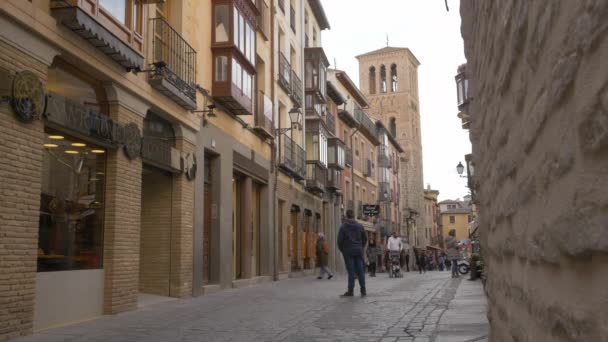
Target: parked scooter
{"type": "Point", "coordinates": [463, 266]}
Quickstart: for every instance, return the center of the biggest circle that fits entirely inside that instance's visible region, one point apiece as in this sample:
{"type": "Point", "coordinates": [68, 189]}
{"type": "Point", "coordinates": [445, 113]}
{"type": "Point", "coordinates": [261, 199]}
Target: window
{"type": "Point", "coordinates": [393, 127]}
{"type": "Point", "coordinates": [221, 68]}
{"type": "Point", "coordinates": [70, 231]}
{"type": "Point", "coordinates": [372, 80]}
{"type": "Point", "coordinates": [222, 23]}
{"type": "Point", "coordinates": [394, 82]}
{"type": "Point", "coordinates": [452, 219]}
{"type": "Point", "coordinates": [118, 9]}
{"type": "Point", "coordinates": [136, 13]}
{"type": "Point", "coordinates": [383, 78]}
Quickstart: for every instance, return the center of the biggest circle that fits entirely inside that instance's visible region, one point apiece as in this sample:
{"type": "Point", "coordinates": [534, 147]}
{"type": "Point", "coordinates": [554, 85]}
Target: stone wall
{"type": "Point", "coordinates": [539, 86]}
{"type": "Point", "coordinates": [20, 183]}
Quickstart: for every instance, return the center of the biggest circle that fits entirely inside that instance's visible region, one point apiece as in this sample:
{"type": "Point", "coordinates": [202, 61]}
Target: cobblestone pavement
{"type": "Point", "coordinates": [305, 309]}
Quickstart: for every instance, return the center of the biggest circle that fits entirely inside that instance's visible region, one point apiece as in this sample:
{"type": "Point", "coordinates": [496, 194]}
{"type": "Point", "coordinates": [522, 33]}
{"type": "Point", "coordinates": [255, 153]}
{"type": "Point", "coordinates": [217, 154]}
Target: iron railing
{"type": "Point", "coordinates": [284, 73]}
{"type": "Point", "coordinates": [286, 155]}
{"type": "Point", "coordinates": [316, 176]}
{"type": "Point", "coordinates": [292, 18]}
{"type": "Point", "coordinates": [365, 121]}
{"type": "Point", "coordinates": [384, 188]}
{"type": "Point", "coordinates": [300, 160]}
{"type": "Point", "coordinates": [296, 88]}
{"type": "Point", "coordinates": [334, 179]}
{"type": "Point", "coordinates": [348, 156]}
{"type": "Point", "coordinates": [263, 122]}
{"type": "Point", "coordinates": [384, 159]}
{"type": "Point", "coordinates": [330, 122]}
{"type": "Point", "coordinates": [264, 18]}
{"type": "Point", "coordinates": [173, 57]}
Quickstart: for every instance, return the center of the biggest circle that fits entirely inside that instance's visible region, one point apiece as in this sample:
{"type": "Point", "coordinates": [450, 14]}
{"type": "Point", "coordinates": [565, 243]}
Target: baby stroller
{"type": "Point", "coordinates": [395, 265]}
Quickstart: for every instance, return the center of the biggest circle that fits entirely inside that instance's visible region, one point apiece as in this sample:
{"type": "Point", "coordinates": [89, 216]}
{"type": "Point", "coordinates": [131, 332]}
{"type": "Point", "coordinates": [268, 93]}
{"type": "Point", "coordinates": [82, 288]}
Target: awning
{"type": "Point", "coordinates": [97, 35]}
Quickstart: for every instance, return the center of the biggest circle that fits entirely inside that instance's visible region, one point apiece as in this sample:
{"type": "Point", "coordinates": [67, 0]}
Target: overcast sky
{"type": "Point", "coordinates": [433, 35]}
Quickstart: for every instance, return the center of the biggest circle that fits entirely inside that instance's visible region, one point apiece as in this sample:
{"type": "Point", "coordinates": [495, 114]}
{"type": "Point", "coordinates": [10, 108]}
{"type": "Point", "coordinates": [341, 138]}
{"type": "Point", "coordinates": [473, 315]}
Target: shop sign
{"type": "Point", "coordinates": [87, 123]}
{"type": "Point", "coordinates": [25, 94]}
{"type": "Point", "coordinates": [371, 209]}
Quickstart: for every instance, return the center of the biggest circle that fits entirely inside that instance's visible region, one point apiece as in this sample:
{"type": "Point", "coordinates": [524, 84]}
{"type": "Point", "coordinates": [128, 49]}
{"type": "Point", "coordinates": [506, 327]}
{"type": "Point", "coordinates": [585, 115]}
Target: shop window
{"type": "Point", "coordinates": [70, 235]}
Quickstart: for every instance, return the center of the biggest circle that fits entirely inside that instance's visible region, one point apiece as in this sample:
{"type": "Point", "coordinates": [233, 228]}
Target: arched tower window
{"type": "Point", "coordinates": [383, 78]}
{"type": "Point", "coordinates": [394, 83]}
{"type": "Point", "coordinates": [372, 80]}
{"type": "Point", "coordinates": [393, 127]}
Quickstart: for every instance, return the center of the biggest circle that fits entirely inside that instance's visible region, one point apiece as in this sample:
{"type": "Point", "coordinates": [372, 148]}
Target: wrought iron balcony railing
{"type": "Point", "coordinates": [300, 159]}
{"type": "Point", "coordinates": [330, 122]}
{"type": "Point", "coordinates": [263, 115]}
{"type": "Point", "coordinates": [334, 179]}
{"type": "Point", "coordinates": [175, 64]}
{"type": "Point", "coordinates": [296, 88]}
{"type": "Point", "coordinates": [286, 154]}
{"type": "Point", "coordinates": [348, 156]}
{"type": "Point", "coordinates": [384, 160]}
{"type": "Point", "coordinates": [284, 73]}
{"type": "Point", "coordinates": [292, 18]}
{"type": "Point", "coordinates": [264, 18]}
{"type": "Point", "coordinates": [316, 177]}
{"type": "Point", "coordinates": [366, 123]}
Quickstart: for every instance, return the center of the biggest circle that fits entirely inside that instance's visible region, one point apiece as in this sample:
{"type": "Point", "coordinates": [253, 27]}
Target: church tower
{"type": "Point", "coordinates": [389, 79]}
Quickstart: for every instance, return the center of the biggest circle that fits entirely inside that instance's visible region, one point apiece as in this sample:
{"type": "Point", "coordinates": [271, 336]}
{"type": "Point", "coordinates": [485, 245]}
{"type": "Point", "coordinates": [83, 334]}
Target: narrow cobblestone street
{"type": "Point", "coordinates": [420, 308]}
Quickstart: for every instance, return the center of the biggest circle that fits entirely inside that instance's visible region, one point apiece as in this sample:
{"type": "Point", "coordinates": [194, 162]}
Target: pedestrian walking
{"type": "Point", "coordinates": [421, 261]}
{"type": "Point", "coordinates": [372, 257]}
{"type": "Point", "coordinates": [441, 262]}
{"type": "Point", "coordinates": [323, 257]}
{"type": "Point", "coordinates": [351, 241]}
{"type": "Point", "coordinates": [406, 251]}
{"type": "Point", "coordinates": [453, 253]}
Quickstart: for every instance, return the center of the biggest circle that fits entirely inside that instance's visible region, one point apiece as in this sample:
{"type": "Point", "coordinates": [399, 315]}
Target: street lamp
{"type": "Point", "coordinates": [295, 115]}
{"type": "Point", "coordinates": [460, 169]}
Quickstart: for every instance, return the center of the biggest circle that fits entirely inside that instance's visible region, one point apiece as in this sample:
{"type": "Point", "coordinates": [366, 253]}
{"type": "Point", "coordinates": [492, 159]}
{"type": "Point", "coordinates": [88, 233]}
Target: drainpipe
{"type": "Point", "coordinates": [275, 152]}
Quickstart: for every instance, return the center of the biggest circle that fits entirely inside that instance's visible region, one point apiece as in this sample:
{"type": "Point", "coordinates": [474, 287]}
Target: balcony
{"type": "Point", "coordinates": [384, 160]}
{"type": "Point", "coordinates": [336, 156]}
{"type": "Point", "coordinates": [174, 63]}
{"type": "Point", "coordinates": [348, 157]}
{"type": "Point", "coordinates": [315, 66]}
{"type": "Point", "coordinates": [263, 116]}
{"type": "Point", "coordinates": [315, 109]}
{"type": "Point", "coordinates": [368, 168]}
{"type": "Point", "coordinates": [330, 122]}
{"type": "Point", "coordinates": [384, 192]}
{"type": "Point", "coordinates": [121, 42]}
{"type": "Point", "coordinates": [292, 18]}
{"type": "Point", "coordinates": [296, 89]}
{"type": "Point", "coordinates": [367, 125]}
{"type": "Point", "coordinates": [264, 19]}
{"type": "Point", "coordinates": [284, 73]}
{"type": "Point", "coordinates": [334, 179]}
{"type": "Point", "coordinates": [316, 177]}
{"type": "Point", "coordinates": [347, 114]}
{"type": "Point", "coordinates": [292, 158]}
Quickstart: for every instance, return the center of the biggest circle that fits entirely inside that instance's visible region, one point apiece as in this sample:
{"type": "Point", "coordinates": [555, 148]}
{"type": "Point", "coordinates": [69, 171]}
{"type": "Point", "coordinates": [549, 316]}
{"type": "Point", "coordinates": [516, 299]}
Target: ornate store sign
{"type": "Point", "coordinates": [28, 99]}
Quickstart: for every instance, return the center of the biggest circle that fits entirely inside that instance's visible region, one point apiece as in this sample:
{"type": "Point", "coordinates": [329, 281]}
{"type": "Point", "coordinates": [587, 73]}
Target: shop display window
{"type": "Point", "coordinates": [70, 233]}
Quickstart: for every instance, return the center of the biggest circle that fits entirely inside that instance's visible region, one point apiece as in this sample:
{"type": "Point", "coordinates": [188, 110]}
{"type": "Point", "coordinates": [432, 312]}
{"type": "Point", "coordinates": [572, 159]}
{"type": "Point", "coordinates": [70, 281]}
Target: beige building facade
{"type": "Point", "coordinates": [538, 108]}
{"type": "Point", "coordinates": [388, 77]}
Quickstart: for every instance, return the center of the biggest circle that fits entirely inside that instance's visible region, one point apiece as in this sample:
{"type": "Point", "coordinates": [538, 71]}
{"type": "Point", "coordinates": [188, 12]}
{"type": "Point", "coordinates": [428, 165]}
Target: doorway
{"type": "Point", "coordinates": [155, 235]}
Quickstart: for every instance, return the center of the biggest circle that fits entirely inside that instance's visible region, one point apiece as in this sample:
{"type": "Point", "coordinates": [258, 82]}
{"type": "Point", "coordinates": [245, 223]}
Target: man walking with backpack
{"type": "Point", "coordinates": [352, 239]}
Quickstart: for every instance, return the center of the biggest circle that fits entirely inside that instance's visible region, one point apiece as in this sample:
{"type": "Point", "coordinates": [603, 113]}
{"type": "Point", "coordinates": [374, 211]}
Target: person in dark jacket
{"type": "Point", "coordinates": [323, 257]}
{"type": "Point", "coordinates": [351, 242]}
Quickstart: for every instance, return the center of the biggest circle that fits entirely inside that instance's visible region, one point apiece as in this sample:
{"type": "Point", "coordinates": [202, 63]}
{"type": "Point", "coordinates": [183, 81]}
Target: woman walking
{"type": "Point", "coordinates": [453, 253]}
{"type": "Point", "coordinates": [323, 257]}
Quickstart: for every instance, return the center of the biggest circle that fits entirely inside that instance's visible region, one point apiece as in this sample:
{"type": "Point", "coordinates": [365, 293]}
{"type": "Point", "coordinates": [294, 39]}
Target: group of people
{"type": "Point", "coordinates": [352, 240]}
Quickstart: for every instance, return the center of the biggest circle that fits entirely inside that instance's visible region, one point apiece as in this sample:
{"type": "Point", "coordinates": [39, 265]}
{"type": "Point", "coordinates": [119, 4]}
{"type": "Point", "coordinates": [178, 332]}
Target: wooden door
{"type": "Point", "coordinates": [207, 235]}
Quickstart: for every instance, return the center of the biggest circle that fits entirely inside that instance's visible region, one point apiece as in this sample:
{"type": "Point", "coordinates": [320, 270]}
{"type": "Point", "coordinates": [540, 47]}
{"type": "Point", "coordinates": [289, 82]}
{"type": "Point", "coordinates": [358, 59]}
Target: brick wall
{"type": "Point", "coordinates": [21, 155]}
{"type": "Point", "coordinates": [122, 225]}
{"type": "Point", "coordinates": [155, 239]}
{"type": "Point", "coordinates": [182, 230]}
{"type": "Point", "coordinates": [539, 87]}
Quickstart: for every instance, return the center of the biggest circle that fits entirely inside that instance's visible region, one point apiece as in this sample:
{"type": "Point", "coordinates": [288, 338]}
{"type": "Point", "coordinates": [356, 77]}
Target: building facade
{"type": "Point", "coordinates": [100, 214]}
{"type": "Point", "coordinates": [389, 79]}
{"type": "Point", "coordinates": [432, 236]}
{"type": "Point", "coordinates": [538, 112]}
{"type": "Point", "coordinates": [456, 215]}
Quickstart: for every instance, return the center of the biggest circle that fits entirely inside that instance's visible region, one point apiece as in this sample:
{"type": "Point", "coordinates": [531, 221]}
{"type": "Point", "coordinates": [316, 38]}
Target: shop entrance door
{"type": "Point", "coordinates": [207, 235]}
{"type": "Point", "coordinates": [155, 235]}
